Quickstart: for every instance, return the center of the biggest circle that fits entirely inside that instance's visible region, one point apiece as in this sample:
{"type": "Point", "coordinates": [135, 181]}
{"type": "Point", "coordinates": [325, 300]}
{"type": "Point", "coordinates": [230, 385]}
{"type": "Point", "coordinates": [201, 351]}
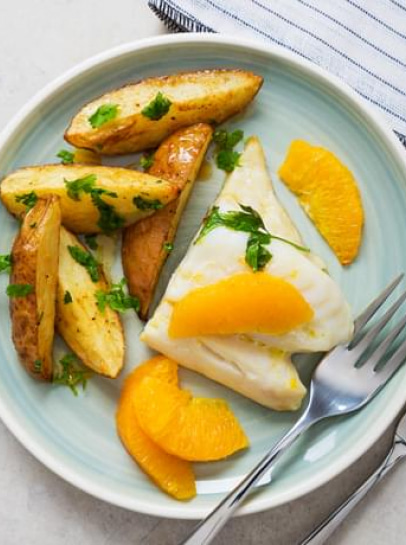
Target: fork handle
{"type": "Point", "coordinates": [206, 530]}
{"type": "Point", "coordinates": [324, 530]}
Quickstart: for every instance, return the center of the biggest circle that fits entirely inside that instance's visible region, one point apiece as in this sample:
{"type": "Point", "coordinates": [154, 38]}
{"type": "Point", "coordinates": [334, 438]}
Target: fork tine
{"type": "Point", "coordinates": [393, 364]}
{"type": "Point", "coordinates": [362, 345]}
{"type": "Point", "coordinates": [365, 316]}
{"type": "Point", "coordinates": [384, 346]}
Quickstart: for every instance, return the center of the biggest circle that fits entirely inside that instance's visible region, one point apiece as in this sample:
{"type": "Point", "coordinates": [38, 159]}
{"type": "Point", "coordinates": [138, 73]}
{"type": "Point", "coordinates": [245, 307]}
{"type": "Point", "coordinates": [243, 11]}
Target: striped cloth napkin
{"type": "Point", "coordinates": [361, 41]}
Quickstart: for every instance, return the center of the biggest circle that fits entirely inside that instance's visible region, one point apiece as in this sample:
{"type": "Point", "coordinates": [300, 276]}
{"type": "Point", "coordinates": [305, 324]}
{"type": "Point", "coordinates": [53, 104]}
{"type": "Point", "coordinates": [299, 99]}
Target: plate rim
{"type": "Point", "coordinates": [380, 127]}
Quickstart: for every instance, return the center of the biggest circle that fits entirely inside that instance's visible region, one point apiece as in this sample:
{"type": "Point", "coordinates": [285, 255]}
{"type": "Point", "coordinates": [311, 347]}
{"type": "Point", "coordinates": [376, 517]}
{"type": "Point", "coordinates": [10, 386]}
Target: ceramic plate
{"type": "Point", "coordinates": [75, 436]}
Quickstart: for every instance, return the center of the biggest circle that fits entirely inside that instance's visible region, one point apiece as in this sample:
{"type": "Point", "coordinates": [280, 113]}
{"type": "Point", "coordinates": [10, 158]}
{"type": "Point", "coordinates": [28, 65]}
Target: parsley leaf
{"type": "Point", "coordinates": [37, 366]}
{"type": "Point", "coordinates": [157, 108]}
{"type": "Point", "coordinates": [168, 247]}
{"type": "Point", "coordinates": [249, 221]}
{"type": "Point", "coordinates": [147, 160]}
{"type": "Point", "coordinates": [28, 199]}
{"type": "Point", "coordinates": [67, 157]}
{"type": "Point", "coordinates": [145, 204]}
{"type": "Point", "coordinates": [67, 298]}
{"type": "Point", "coordinates": [75, 187]}
{"type": "Point", "coordinates": [91, 241]}
{"type": "Point", "coordinates": [19, 290]}
{"type": "Point", "coordinates": [109, 219]}
{"type": "Point", "coordinates": [71, 374]}
{"type": "Point", "coordinates": [103, 114]}
{"type": "Point", "coordinates": [5, 263]}
{"type": "Point", "coordinates": [87, 260]}
{"type": "Point", "coordinates": [226, 158]}
{"type": "Point", "coordinates": [116, 299]}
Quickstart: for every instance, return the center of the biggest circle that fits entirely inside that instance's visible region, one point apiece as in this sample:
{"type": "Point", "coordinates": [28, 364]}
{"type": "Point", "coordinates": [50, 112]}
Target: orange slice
{"type": "Point", "coordinates": [195, 429]}
{"type": "Point", "coordinates": [243, 303]}
{"type": "Point", "coordinates": [329, 195]}
{"type": "Point", "coordinates": [172, 475]}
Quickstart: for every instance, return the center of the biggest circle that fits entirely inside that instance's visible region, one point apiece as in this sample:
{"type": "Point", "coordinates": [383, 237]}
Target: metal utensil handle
{"type": "Point", "coordinates": [206, 530]}
{"type": "Point", "coordinates": [324, 530]}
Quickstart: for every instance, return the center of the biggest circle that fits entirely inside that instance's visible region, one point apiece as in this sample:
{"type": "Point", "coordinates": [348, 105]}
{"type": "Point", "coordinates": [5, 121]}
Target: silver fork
{"type": "Point", "coordinates": [339, 386]}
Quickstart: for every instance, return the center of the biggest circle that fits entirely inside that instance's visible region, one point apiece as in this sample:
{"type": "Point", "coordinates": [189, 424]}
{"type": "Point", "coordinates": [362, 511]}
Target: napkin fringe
{"type": "Point", "coordinates": [176, 20]}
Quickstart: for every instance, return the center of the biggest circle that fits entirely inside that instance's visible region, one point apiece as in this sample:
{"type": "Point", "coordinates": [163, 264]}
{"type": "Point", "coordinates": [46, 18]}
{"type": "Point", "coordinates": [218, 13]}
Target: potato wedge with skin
{"type": "Point", "coordinates": [178, 159]}
{"type": "Point", "coordinates": [96, 337]}
{"type": "Point", "coordinates": [205, 96]}
{"type": "Point", "coordinates": [35, 262]}
{"type": "Point", "coordinates": [82, 216]}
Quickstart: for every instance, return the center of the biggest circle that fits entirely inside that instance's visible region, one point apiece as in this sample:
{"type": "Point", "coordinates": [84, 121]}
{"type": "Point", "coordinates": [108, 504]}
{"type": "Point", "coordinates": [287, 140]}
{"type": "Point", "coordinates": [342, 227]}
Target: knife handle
{"type": "Point", "coordinates": [324, 530]}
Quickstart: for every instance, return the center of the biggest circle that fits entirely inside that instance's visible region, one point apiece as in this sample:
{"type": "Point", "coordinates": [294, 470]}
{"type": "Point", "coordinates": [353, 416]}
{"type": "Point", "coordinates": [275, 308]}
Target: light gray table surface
{"type": "Point", "coordinates": [39, 40]}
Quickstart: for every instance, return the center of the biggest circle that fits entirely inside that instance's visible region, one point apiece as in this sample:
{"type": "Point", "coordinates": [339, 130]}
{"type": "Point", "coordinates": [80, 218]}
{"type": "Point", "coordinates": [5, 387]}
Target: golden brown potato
{"type": "Point", "coordinates": [143, 252]}
{"type": "Point", "coordinates": [204, 96]}
{"type": "Point", "coordinates": [85, 214]}
{"type": "Point", "coordinates": [96, 337]}
{"type": "Point", "coordinates": [35, 266]}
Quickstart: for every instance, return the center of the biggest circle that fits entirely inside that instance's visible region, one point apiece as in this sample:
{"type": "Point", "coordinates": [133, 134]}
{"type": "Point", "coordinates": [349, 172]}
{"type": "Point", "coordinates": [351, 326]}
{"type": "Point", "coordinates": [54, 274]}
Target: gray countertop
{"type": "Point", "coordinates": [39, 40]}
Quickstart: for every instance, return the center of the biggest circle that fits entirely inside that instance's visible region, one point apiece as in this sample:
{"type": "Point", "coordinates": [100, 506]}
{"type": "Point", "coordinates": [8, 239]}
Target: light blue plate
{"type": "Point", "coordinates": [76, 437]}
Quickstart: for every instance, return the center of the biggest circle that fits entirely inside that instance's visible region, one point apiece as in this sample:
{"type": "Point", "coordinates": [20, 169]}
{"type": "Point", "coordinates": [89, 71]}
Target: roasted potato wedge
{"type": "Point", "coordinates": [83, 215]}
{"type": "Point", "coordinates": [35, 264]}
{"type": "Point", "coordinates": [178, 159]}
{"type": "Point", "coordinates": [96, 337]}
{"type": "Point", "coordinates": [204, 96]}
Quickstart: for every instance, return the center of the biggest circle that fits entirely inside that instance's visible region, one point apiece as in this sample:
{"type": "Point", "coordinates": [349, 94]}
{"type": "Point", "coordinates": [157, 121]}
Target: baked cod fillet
{"type": "Point", "coordinates": [239, 327]}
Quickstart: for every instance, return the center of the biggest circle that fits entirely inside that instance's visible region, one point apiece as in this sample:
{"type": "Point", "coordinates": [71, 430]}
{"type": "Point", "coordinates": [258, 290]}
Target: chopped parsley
{"type": "Point", "coordinates": [103, 114]}
{"type": "Point", "coordinates": [157, 108]}
{"type": "Point", "coordinates": [19, 290]}
{"type": "Point", "coordinates": [37, 366]}
{"type": "Point", "coordinates": [70, 374]}
{"type": "Point", "coordinates": [145, 204]}
{"type": "Point", "coordinates": [76, 187]}
{"type": "Point", "coordinates": [147, 160]}
{"type": "Point", "coordinates": [91, 241]}
{"type": "Point", "coordinates": [87, 260]}
{"type": "Point", "coordinates": [168, 247]}
{"type": "Point", "coordinates": [67, 298]}
{"type": "Point", "coordinates": [67, 157]}
{"type": "Point", "coordinates": [226, 158]}
{"type": "Point", "coordinates": [109, 219]}
{"type": "Point", "coordinates": [28, 199]}
{"type": "Point", "coordinates": [5, 263]}
{"type": "Point", "coordinates": [116, 299]}
{"type": "Point", "coordinates": [246, 220]}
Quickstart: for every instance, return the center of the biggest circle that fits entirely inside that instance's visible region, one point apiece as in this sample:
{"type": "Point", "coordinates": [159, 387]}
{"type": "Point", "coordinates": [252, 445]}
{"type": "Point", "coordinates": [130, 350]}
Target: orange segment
{"type": "Point", "coordinates": [243, 303]}
{"type": "Point", "coordinates": [328, 193]}
{"type": "Point", "coordinates": [195, 429]}
{"type": "Point", "coordinates": [172, 475]}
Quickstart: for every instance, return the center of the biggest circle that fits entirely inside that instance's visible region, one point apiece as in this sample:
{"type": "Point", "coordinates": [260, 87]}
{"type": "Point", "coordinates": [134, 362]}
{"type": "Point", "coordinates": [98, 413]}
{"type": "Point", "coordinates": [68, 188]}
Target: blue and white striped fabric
{"type": "Point", "coordinates": [361, 41]}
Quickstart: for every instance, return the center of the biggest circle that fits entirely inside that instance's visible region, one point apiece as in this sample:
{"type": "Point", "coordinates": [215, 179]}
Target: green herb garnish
{"type": "Point", "coordinates": [67, 157]}
{"type": "Point", "coordinates": [19, 290]}
{"type": "Point", "coordinates": [147, 160]}
{"type": "Point", "coordinates": [5, 263]}
{"type": "Point", "coordinates": [87, 260]}
{"type": "Point", "coordinates": [71, 374]}
{"type": "Point", "coordinates": [116, 299]}
{"type": "Point", "coordinates": [76, 187]}
{"type": "Point", "coordinates": [28, 199]}
{"type": "Point", "coordinates": [226, 158]}
{"type": "Point", "coordinates": [91, 241]}
{"type": "Point", "coordinates": [168, 247]}
{"type": "Point", "coordinates": [103, 114]}
{"type": "Point", "coordinates": [67, 298]}
{"type": "Point", "coordinates": [246, 220]}
{"type": "Point", "coordinates": [37, 366]}
{"type": "Point", "coordinates": [157, 108]}
{"type": "Point", "coordinates": [145, 204]}
{"type": "Point", "coordinates": [109, 219]}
